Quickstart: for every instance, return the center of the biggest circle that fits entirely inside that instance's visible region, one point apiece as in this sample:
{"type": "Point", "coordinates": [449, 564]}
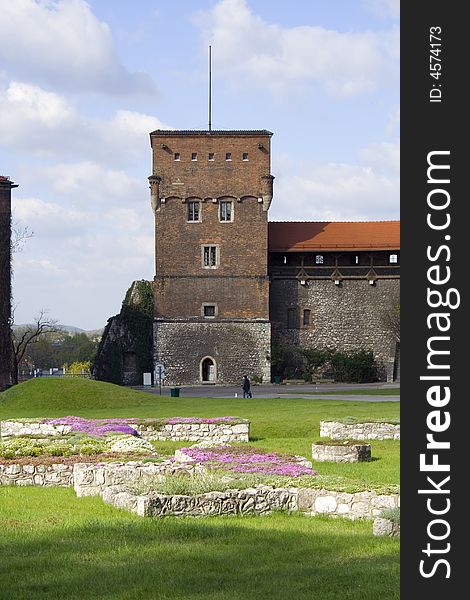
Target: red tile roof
{"type": "Point", "coordinates": [309, 236]}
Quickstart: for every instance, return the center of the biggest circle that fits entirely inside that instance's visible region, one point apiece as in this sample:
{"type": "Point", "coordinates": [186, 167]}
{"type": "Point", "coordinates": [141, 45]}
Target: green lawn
{"type": "Point", "coordinates": [56, 546]}
{"type": "Point", "coordinates": [282, 425]}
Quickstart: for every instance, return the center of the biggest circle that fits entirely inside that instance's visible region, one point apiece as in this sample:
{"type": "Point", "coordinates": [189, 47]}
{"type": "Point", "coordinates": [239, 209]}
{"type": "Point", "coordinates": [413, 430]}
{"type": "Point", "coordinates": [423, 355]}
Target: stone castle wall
{"type": "Point", "coordinates": [345, 317]}
{"type": "Point", "coordinates": [237, 348]}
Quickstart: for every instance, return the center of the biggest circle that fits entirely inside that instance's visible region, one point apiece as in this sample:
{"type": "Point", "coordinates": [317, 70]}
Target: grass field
{"type": "Point", "coordinates": [57, 546]}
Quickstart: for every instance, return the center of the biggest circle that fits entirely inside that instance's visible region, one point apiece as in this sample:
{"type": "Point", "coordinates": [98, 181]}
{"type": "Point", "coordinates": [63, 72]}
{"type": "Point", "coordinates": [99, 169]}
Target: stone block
{"type": "Point", "coordinates": [325, 504]}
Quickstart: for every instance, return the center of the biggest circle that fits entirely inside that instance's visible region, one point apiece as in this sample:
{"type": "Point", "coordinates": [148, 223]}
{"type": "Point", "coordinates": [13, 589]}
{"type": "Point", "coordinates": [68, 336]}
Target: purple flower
{"type": "Point", "coordinates": [98, 427]}
{"type": "Point", "coordinates": [240, 459]}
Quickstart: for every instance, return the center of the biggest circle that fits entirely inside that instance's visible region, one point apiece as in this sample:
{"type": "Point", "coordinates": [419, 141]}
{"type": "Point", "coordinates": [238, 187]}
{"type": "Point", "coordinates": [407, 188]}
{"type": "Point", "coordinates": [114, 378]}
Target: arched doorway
{"type": "Point", "coordinates": [208, 372]}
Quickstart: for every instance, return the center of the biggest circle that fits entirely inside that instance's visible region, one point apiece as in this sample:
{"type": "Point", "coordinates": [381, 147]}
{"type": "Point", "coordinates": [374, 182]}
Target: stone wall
{"type": "Point", "coordinates": [176, 432]}
{"type": "Point", "coordinates": [352, 506]}
{"type": "Point", "coordinates": [91, 479]}
{"type": "Point", "coordinates": [388, 527]}
{"type": "Point", "coordinates": [344, 454]}
{"type": "Point", "coordinates": [359, 431]}
{"type": "Point", "coordinates": [236, 347]}
{"type": "Point", "coordinates": [258, 500]}
{"type": "Point", "coordinates": [41, 475]}
{"type": "Point", "coordinates": [210, 432]}
{"type": "Point", "coordinates": [346, 317]}
{"type": "Point", "coordinates": [18, 428]}
{"type": "Point", "coordinates": [112, 481]}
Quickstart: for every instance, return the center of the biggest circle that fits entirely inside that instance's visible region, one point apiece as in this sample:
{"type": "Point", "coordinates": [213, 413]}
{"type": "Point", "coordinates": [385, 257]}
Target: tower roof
{"type": "Point", "coordinates": [216, 132]}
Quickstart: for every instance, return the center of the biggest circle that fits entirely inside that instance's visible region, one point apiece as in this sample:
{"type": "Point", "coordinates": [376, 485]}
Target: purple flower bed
{"type": "Point", "coordinates": [238, 459]}
{"type": "Point", "coordinates": [98, 427]}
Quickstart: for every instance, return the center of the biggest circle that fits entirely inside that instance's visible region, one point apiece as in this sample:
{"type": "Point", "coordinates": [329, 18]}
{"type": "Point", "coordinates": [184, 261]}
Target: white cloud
{"type": "Point", "coordinates": [45, 124]}
{"type": "Point", "coordinates": [335, 192]}
{"type": "Point", "coordinates": [90, 185]}
{"type": "Point", "coordinates": [393, 125]}
{"type": "Point", "coordinates": [50, 220]}
{"type": "Point", "coordinates": [252, 52]}
{"type": "Point", "coordinates": [383, 156]}
{"type": "Point", "coordinates": [61, 43]}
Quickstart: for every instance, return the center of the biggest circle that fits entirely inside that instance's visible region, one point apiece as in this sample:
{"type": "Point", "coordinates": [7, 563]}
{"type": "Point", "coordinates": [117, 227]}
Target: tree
{"type": "Point", "coordinates": [28, 335]}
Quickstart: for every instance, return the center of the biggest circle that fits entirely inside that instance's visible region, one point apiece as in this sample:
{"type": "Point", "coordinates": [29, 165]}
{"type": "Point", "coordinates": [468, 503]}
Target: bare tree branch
{"type": "Point", "coordinates": [29, 334]}
{"type": "Point", "coordinates": [19, 235]}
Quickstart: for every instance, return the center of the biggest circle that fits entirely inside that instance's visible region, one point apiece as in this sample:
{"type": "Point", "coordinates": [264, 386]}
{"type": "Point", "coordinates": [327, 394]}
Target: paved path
{"type": "Point", "coordinates": [305, 391]}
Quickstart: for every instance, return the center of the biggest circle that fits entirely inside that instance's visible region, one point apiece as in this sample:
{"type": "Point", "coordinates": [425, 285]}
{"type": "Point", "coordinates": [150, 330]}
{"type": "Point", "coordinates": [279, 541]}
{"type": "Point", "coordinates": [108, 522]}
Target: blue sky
{"type": "Point", "coordinates": [83, 83]}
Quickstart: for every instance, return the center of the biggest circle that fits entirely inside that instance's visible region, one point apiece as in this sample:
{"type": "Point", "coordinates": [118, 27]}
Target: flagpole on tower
{"type": "Point", "coordinates": [210, 88]}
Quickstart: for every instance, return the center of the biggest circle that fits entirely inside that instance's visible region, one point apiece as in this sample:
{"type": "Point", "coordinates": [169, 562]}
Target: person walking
{"type": "Point", "coordinates": [246, 387]}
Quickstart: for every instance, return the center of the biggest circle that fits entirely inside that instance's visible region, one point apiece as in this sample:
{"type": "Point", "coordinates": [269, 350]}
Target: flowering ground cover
{"type": "Point", "coordinates": [247, 459]}
{"type": "Point", "coordinates": [100, 427]}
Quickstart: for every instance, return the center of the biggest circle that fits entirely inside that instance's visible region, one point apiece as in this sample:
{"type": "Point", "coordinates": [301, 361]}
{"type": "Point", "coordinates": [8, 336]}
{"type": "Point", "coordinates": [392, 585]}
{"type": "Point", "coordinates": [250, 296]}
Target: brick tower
{"type": "Point", "coordinates": [5, 279]}
{"type": "Point", "coordinates": [210, 193]}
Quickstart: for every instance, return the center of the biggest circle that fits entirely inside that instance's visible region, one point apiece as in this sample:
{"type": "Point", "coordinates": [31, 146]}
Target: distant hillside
{"type": "Point", "coordinates": [67, 328]}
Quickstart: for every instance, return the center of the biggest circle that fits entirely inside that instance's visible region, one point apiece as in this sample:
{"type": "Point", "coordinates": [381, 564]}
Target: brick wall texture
{"type": "Point", "coordinates": [5, 282]}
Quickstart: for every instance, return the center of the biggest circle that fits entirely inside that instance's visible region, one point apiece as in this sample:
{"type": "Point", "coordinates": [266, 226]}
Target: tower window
{"type": "Point", "coordinates": [354, 259]}
{"type": "Point", "coordinates": [393, 259]}
{"type": "Point", "coordinates": [245, 156]}
{"type": "Point", "coordinates": [177, 156]}
{"type": "Point", "coordinates": [319, 259]}
{"type": "Point", "coordinates": [209, 310]}
{"type": "Point", "coordinates": [228, 156]}
{"type": "Point", "coordinates": [225, 211]}
{"type": "Point", "coordinates": [210, 156]}
{"type": "Point", "coordinates": [210, 258]}
{"type": "Point", "coordinates": [194, 156]}
{"type": "Point", "coordinates": [306, 320]}
{"type": "Point", "coordinates": [194, 212]}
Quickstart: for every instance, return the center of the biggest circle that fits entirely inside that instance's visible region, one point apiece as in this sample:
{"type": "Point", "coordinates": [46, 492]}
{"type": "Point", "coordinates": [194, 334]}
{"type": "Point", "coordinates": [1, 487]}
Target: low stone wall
{"type": "Point", "coordinates": [176, 432]}
{"type": "Point", "coordinates": [41, 475]}
{"type": "Point", "coordinates": [195, 432]}
{"type": "Point", "coordinates": [31, 428]}
{"type": "Point", "coordinates": [383, 526]}
{"type": "Point", "coordinates": [346, 453]}
{"type": "Point", "coordinates": [256, 501]}
{"type": "Point", "coordinates": [112, 481]}
{"type": "Point", "coordinates": [352, 506]}
{"type": "Point", "coordinates": [359, 431]}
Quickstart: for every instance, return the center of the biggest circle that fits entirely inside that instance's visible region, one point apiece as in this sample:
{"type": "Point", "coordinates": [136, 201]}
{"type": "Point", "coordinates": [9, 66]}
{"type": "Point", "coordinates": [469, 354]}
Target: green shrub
{"type": "Point", "coordinates": [291, 362]}
{"type": "Point", "coordinates": [56, 449]}
{"type": "Point", "coordinates": [392, 514]}
{"type": "Point", "coordinates": [354, 367]}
